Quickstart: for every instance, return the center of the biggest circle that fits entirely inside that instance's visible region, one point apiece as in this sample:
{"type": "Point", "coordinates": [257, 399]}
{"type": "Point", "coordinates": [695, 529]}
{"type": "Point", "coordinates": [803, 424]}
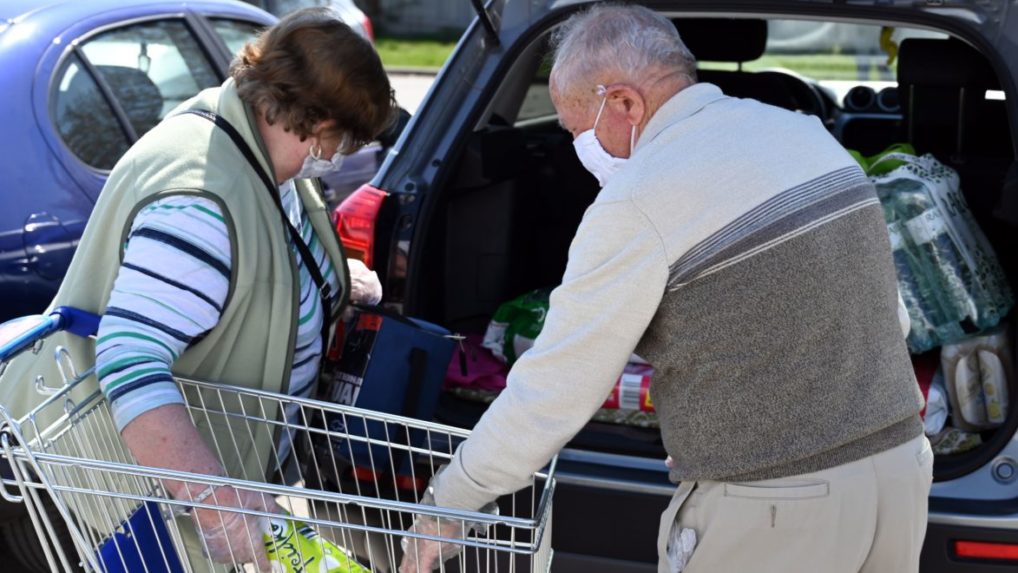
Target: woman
{"type": "Point", "coordinates": [189, 260]}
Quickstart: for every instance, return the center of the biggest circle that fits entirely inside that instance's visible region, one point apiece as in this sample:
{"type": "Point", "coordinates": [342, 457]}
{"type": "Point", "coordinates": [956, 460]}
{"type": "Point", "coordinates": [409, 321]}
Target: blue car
{"type": "Point", "coordinates": [81, 82]}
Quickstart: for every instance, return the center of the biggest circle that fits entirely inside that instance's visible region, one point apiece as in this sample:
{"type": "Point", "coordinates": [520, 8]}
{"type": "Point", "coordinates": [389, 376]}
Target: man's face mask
{"type": "Point", "coordinates": [592, 154]}
{"type": "Point", "coordinates": [314, 166]}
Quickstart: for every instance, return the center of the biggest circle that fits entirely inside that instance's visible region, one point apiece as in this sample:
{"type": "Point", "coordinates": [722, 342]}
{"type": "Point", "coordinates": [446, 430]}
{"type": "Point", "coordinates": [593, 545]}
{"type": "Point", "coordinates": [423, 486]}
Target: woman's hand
{"type": "Point", "coordinates": [365, 288]}
{"type": "Point", "coordinates": [231, 536]}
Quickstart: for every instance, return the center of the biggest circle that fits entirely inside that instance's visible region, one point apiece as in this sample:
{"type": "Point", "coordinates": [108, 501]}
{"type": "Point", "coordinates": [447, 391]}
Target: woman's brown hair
{"type": "Point", "coordinates": [311, 67]}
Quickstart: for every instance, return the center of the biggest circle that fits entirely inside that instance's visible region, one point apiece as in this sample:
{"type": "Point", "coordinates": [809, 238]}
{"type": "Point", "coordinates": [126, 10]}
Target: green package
{"type": "Point", "coordinates": [294, 546]}
{"type": "Point", "coordinates": [516, 324]}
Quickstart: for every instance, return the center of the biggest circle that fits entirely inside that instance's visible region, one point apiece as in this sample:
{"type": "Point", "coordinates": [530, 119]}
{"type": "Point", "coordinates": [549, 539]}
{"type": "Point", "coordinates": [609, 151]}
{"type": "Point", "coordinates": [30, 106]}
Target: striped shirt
{"type": "Point", "coordinates": [170, 291]}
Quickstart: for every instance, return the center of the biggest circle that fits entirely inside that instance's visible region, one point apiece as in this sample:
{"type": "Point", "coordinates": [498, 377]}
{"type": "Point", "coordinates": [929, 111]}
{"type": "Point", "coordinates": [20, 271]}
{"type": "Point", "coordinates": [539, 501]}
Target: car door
{"type": "Point", "coordinates": [101, 85]}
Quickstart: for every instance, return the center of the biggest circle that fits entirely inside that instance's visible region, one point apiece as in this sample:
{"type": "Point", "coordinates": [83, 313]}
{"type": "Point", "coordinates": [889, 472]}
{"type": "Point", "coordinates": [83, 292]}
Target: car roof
{"type": "Point", "coordinates": [73, 10]}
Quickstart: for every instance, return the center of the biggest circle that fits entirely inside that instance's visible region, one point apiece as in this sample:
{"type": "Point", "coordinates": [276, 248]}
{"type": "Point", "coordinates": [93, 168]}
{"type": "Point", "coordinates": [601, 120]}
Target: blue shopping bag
{"type": "Point", "coordinates": [141, 544]}
{"type": "Point", "coordinates": [391, 364]}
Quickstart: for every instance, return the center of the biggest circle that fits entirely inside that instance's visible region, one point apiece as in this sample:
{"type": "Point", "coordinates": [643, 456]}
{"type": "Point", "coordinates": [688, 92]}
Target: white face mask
{"type": "Point", "coordinates": [592, 154]}
{"type": "Point", "coordinates": [314, 166]}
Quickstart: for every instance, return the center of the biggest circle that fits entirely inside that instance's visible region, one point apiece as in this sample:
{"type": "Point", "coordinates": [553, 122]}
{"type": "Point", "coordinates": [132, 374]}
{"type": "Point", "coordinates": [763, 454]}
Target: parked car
{"type": "Point", "coordinates": [479, 200]}
{"type": "Point", "coordinates": [82, 82]}
{"type": "Point", "coordinates": [346, 9]}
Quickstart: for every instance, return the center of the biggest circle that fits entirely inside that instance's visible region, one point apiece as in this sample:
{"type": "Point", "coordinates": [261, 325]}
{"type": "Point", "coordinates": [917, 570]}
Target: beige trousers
{"type": "Point", "coordinates": [867, 516]}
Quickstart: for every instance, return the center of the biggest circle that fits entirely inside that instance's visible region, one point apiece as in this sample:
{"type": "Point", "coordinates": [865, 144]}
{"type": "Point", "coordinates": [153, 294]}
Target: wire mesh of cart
{"type": "Point", "coordinates": [349, 479]}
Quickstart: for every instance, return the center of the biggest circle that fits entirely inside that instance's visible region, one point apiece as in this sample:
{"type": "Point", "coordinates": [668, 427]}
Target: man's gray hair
{"type": "Point", "coordinates": [622, 41]}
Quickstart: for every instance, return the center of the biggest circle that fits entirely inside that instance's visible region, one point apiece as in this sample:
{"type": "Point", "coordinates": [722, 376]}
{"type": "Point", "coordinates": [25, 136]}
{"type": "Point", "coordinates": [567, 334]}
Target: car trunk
{"type": "Point", "coordinates": [497, 220]}
{"type": "Point", "coordinates": [504, 219]}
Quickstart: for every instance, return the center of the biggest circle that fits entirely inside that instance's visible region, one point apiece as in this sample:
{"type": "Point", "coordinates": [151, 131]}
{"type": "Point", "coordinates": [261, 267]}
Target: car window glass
{"type": "Point", "coordinates": [537, 101]}
{"type": "Point", "coordinates": [84, 118]}
{"type": "Point", "coordinates": [830, 52]}
{"type": "Point", "coordinates": [151, 68]}
{"type": "Point", "coordinates": [235, 33]}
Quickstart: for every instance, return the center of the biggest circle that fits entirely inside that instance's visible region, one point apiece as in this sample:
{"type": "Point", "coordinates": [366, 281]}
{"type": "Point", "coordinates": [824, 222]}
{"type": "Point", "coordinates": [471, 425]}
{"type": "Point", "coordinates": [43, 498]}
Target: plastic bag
{"type": "Point", "coordinates": [948, 275]}
{"type": "Point", "coordinates": [976, 374]}
{"type": "Point", "coordinates": [516, 324]}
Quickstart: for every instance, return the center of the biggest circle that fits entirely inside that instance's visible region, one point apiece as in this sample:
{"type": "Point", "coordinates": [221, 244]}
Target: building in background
{"type": "Point", "coordinates": [419, 17]}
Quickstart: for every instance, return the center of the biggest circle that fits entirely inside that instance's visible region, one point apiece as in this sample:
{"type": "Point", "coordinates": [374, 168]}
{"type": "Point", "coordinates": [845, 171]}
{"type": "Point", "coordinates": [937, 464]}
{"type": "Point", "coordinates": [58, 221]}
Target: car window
{"type": "Point", "coordinates": [149, 68]}
{"type": "Point", "coordinates": [236, 33]}
{"type": "Point", "coordinates": [537, 103]}
{"type": "Point", "coordinates": [84, 119]}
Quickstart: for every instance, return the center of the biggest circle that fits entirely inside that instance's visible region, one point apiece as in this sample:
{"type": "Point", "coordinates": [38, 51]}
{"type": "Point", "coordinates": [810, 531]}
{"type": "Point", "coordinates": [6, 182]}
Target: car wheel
{"type": "Point", "coordinates": [21, 542]}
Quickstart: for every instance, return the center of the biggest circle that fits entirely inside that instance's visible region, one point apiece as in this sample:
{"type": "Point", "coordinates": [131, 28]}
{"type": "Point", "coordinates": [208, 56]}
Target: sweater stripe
{"type": "Point", "coordinates": [184, 247]}
{"type": "Point", "coordinates": [178, 284]}
{"type": "Point", "coordinates": [135, 317]}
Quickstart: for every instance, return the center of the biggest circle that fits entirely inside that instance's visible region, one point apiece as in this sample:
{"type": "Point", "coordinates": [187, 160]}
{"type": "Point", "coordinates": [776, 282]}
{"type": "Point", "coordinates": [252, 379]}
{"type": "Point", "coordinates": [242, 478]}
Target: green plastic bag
{"type": "Point", "coordinates": [516, 324]}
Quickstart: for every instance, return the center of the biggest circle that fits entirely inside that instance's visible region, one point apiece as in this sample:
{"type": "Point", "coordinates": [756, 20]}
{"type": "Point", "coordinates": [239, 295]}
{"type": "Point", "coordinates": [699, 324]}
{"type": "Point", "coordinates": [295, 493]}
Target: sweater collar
{"type": "Point", "coordinates": [680, 106]}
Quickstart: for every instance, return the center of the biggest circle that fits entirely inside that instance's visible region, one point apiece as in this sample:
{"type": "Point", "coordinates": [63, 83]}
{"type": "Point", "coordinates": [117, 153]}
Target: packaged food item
{"type": "Point", "coordinates": [977, 372]}
{"type": "Point", "coordinates": [295, 547]}
{"type": "Point", "coordinates": [948, 274]}
{"type": "Point", "coordinates": [632, 389]}
{"type": "Point", "coordinates": [952, 441]}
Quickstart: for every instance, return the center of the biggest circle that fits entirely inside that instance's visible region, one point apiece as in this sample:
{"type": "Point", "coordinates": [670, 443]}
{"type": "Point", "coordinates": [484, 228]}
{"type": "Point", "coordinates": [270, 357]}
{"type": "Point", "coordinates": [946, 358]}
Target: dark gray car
{"type": "Point", "coordinates": [479, 200]}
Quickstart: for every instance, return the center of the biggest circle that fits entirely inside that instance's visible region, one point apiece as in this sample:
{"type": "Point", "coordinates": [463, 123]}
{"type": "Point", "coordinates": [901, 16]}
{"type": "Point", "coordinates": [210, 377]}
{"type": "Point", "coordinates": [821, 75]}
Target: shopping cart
{"type": "Point", "coordinates": [119, 516]}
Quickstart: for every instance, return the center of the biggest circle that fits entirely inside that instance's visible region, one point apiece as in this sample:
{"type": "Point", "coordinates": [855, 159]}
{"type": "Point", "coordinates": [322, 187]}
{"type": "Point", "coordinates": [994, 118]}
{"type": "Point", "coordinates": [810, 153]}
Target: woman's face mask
{"type": "Point", "coordinates": [592, 154]}
{"type": "Point", "coordinates": [314, 166]}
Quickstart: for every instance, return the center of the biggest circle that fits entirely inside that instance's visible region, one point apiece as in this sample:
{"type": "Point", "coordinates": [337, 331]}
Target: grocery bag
{"type": "Point", "coordinates": [386, 363]}
{"type": "Point", "coordinates": [949, 277]}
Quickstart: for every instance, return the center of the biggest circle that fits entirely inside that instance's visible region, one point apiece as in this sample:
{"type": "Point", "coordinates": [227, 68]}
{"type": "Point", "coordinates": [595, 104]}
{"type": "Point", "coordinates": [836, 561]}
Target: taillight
{"type": "Point", "coordinates": [986, 550]}
{"type": "Point", "coordinates": [355, 222]}
{"type": "Point", "coordinates": [369, 29]}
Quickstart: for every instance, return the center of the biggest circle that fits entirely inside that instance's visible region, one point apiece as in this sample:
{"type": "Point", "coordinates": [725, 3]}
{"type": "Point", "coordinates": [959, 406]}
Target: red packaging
{"type": "Point", "coordinates": [632, 389]}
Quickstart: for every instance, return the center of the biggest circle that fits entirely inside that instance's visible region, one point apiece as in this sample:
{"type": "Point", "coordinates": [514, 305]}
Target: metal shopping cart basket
{"type": "Point", "coordinates": [358, 477]}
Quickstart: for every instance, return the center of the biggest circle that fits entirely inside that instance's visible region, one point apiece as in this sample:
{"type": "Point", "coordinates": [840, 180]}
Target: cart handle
{"type": "Point", "coordinates": [27, 330]}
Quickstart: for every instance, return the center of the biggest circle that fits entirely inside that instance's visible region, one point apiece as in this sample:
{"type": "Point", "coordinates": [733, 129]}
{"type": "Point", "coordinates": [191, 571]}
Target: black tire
{"type": "Point", "coordinates": [21, 542]}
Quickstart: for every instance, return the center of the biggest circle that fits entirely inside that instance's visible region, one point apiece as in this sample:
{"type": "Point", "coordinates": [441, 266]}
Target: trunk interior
{"type": "Point", "coordinates": [513, 198]}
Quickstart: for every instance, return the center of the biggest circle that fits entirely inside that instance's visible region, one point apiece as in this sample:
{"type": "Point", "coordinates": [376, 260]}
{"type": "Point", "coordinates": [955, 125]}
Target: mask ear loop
{"type": "Point", "coordinates": [601, 91]}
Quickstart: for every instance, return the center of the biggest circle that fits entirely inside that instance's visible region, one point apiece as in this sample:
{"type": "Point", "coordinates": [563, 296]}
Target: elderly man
{"type": "Point", "coordinates": [739, 249]}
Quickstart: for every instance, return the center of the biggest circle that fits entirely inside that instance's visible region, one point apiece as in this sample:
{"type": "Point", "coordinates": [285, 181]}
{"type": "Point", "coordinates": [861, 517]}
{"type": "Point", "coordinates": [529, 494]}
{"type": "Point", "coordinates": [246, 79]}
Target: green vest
{"type": "Point", "coordinates": [253, 343]}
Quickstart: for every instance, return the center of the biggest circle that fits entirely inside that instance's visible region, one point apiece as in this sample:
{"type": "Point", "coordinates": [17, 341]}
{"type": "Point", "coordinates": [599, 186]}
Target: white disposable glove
{"type": "Point", "coordinates": [365, 288]}
{"type": "Point", "coordinates": [233, 537]}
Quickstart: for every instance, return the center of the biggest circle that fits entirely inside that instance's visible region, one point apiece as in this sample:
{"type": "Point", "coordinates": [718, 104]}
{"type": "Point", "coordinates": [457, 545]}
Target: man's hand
{"type": "Point", "coordinates": [423, 555]}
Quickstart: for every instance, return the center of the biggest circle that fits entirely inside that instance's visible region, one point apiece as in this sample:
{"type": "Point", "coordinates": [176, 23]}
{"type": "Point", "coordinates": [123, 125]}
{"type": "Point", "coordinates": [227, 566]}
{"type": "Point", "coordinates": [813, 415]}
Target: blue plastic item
{"type": "Point", "coordinates": [391, 364]}
{"type": "Point", "coordinates": [142, 544]}
{"type": "Point", "coordinates": [19, 334]}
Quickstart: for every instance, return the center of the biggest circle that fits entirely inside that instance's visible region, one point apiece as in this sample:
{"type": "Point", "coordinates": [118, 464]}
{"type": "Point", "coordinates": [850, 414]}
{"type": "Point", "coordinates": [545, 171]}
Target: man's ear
{"type": "Point", "coordinates": [627, 101]}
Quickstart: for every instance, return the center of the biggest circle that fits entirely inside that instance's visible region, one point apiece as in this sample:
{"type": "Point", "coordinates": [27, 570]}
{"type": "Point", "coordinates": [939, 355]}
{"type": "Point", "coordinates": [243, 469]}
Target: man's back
{"type": "Point", "coordinates": [776, 340]}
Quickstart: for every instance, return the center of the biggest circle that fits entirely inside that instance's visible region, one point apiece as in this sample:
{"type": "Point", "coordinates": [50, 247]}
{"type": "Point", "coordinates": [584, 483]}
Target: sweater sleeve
{"type": "Point", "coordinates": [613, 284]}
{"type": "Point", "coordinates": [170, 290]}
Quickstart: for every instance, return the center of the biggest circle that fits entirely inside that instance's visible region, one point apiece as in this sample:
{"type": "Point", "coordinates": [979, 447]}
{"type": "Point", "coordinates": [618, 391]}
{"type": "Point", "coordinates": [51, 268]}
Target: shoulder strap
{"type": "Point", "coordinates": [324, 290]}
